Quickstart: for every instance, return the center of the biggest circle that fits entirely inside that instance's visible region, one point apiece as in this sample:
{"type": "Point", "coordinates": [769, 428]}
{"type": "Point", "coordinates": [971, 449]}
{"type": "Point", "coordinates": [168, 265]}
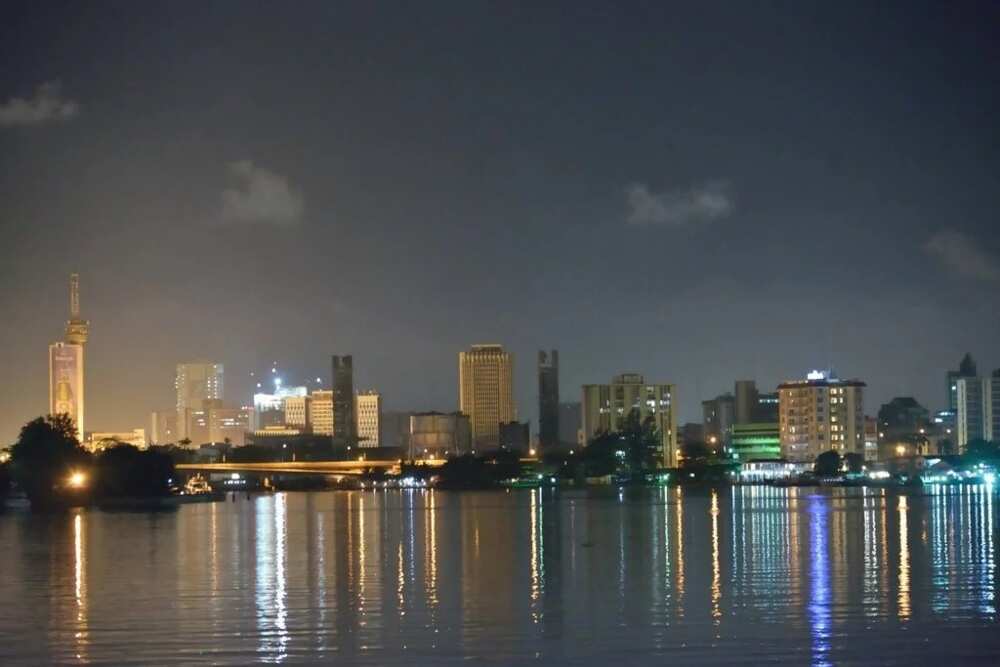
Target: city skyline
{"type": "Point", "coordinates": [777, 202]}
{"type": "Point", "coordinates": [78, 329]}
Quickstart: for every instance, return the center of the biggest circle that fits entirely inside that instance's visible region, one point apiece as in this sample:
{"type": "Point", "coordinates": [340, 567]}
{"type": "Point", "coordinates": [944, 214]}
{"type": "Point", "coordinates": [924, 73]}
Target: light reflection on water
{"type": "Point", "coordinates": [824, 576]}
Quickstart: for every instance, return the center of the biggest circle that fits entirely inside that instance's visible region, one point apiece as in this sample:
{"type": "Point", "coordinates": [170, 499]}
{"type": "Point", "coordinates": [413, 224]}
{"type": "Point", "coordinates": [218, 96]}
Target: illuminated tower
{"type": "Point", "coordinates": [66, 377]}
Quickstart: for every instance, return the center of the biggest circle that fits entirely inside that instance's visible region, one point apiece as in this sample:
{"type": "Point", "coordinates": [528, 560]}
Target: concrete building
{"type": "Point", "coordinates": [163, 427]}
{"type": "Point", "coordinates": [756, 442]}
{"type": "Point", "coordinates": [966, 369]}
{"type": "Point", "coordinates": [321, 407]}
{"type": "Point", "coordinates": [297, 412]}
{"type": "Point", "coordinates": [229, 423]}
{"type": "Point", "coordinates": [196, 382]}
{"type": "Point", "coordinates": [269, 409]}
{"type": "Point", "coordinates": [548, 399]}
{"type": "Point", "coordinates": [570, 421]}
{"type": "Point", "coordinates": [718, 417]}
{"type": "Point", "coordinates": [606, 406]}
{"type": "Point", "coordinates": [486, 394]}
{"type": "Point", "coordinates": [978, 415]}
{"type": "Point", "coordinates": [745, 402]}
{"type": "Point", "coordinates": [369, 415]}
{"type": "Point", "coordinates": [871, 440]}
{"type": "Point", "coordinates": [435, 435]}
{"type": "Point", "coordinates": [344, 421]}
{"type": "Point", "coordinates": [515, 436]}
{"type": "Point", "coordinates": [395, 429]}
{"type": "Point", "coordinates": [821, 413]}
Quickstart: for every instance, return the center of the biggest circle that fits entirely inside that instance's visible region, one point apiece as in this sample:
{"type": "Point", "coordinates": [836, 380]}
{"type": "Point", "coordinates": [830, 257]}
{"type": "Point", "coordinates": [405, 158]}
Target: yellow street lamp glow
{"type": "Point", "coordinates": [77, 480]}
{"type": "Point", "coordinates": [900, 450]}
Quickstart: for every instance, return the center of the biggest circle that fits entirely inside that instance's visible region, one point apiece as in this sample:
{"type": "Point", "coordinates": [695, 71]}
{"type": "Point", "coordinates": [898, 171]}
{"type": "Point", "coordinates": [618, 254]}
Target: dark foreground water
{"type": "Point", "coordinates": [748, 575]}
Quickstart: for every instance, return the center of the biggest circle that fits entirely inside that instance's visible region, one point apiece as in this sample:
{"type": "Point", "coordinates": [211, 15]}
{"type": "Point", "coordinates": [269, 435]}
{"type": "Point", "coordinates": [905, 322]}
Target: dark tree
{"type": "Point", "coordinates": [44, 457]}
{"type": "Point", "coordinates": [827, 464]}
{"type": "Point", "coordinates": [695, 453]}
{"type": "Point", "coordinates": [855, 462]}
{"type": "Point", "coordinates": [981, 450]}
{"type": "Point", "coordinates": [126, 471]}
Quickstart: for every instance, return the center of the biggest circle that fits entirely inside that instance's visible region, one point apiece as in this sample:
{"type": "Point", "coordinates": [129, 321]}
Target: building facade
{"type": "Point", "coordinates": [344, 422]}
{"type": "Point", "coordinates": [756, 441]}
{"type": "Point", "coordinates": [369, 415]}
{"type": "Point", "coordinates": [297, 412]}
{"type": "Point", "coordinates": [570, 421]}
{"type": "Point", "coordinates": [819, 414]}
{"type": "Point", "coordinates": [966, 369]}
{"type": "Point", "coordinates": [978, 414]}
{"type": "Point", "coordinates": [435, 435]}
{"type": "Point", "coordinates": [606, 406]}
{"type": "Point", "coordinates": [230, 424]}
{"type": "Point", "coordinates": [548, 399]}
{"type": "Point", "coordinates": [321, 406]}
{"type": "Point", "coordinates": [718, 417]}
{"type": "Point", "coordinates": [515, 436]}
{"type": "Point", "coordinates": [196, 382]}
{"type": "Point", "coordinates": [486, 394]}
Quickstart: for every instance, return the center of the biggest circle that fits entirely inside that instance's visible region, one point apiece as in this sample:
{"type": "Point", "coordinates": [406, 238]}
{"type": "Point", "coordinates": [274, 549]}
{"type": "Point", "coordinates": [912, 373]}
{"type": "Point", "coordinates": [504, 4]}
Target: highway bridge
{"type": "Point", "coordinates": [355, 467]}
{"type": "Point", "coordinates": [301, 467]}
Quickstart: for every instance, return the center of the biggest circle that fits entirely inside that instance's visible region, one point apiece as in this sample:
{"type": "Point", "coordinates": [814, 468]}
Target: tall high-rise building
{"type": "Point", "coordinates": [978, 415]}
{"type": "Point", "coordinates": [718, 417]}
{"type": "Point", "coordinates": [966, 369]}
{"type": "Point", "coordinates": [369, 415]}
{"type": "Point", "coordinates": [486, 394]}
{"type": "Point", "coordinates": [195, 383]}
{"type": "Point", "coordinates": [198, 381]}
{"type": "Point", "coordinates": [548, 398]}
{"type": "Point", "coordinates": [322, 412]}
{"type": "Point", "coordinates": [606, 406]}
{"type": "Point", "coordinates": [66, 369]}
{"type": "Point", "coordinates": [344, 422]}
{"type": "Point", "coordinates": [821, 413]}
{"type": "Point", "coordinates": [745, 402]}
{"type": "Point", "coordinates": [163, 427]}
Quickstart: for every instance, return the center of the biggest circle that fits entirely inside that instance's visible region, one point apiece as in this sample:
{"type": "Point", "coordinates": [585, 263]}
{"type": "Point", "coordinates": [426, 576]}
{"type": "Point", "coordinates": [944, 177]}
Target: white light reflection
{"type": "Point", "coordinates": [904, 562]}
{"type": "Point", "coordinates": [80, 584]}
{"type": "Point", "coordinates": [716, 570]}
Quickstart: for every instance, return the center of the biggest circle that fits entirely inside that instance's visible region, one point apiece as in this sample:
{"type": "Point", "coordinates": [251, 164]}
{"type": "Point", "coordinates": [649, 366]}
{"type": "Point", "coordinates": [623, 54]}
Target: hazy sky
{"type": "Point", "coordinates": [698, 192]}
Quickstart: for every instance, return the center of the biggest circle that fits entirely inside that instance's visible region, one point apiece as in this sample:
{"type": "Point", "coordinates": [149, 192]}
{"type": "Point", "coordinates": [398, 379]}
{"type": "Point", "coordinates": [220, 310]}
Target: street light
{"type": "Point", "coordinates": [77, 480]}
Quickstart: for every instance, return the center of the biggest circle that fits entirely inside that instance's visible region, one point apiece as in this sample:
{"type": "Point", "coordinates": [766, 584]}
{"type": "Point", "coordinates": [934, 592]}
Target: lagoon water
{"type": "Point", "coordinates": [745, 575]}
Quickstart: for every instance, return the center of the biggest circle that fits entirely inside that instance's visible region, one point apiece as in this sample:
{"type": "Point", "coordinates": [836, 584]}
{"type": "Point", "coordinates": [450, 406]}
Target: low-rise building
{"type": "Point", "coordinates": [436, 435]}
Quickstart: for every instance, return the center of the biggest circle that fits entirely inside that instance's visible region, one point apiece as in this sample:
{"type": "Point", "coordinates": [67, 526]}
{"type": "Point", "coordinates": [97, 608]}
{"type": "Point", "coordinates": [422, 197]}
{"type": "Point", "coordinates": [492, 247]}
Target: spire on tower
{"type": "Point", "coordinates": [77, 328]}
{"type": "Point", "coordinates": [74, 296]}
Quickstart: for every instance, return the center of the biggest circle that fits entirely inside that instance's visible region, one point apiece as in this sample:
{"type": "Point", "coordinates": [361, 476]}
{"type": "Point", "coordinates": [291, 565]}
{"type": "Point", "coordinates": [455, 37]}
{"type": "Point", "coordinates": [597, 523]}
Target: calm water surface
{"type": "Point", "coordinates": [596, 577]}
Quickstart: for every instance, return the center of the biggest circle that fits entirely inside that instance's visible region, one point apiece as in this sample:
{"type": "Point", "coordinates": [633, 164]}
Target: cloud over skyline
{"type": "Point", "coordinates": [960, 253]}
{"type": "Point", "coordinates": [262, 197]}
{"type": "Point", "coordinates": [676, 208]}
{"type": "Point", "coordinates": [46, 105]}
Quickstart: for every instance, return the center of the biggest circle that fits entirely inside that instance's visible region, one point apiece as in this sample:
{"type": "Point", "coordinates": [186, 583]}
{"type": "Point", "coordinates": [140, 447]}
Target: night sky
{"type": "Point", "coordinates": [698, 192]}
